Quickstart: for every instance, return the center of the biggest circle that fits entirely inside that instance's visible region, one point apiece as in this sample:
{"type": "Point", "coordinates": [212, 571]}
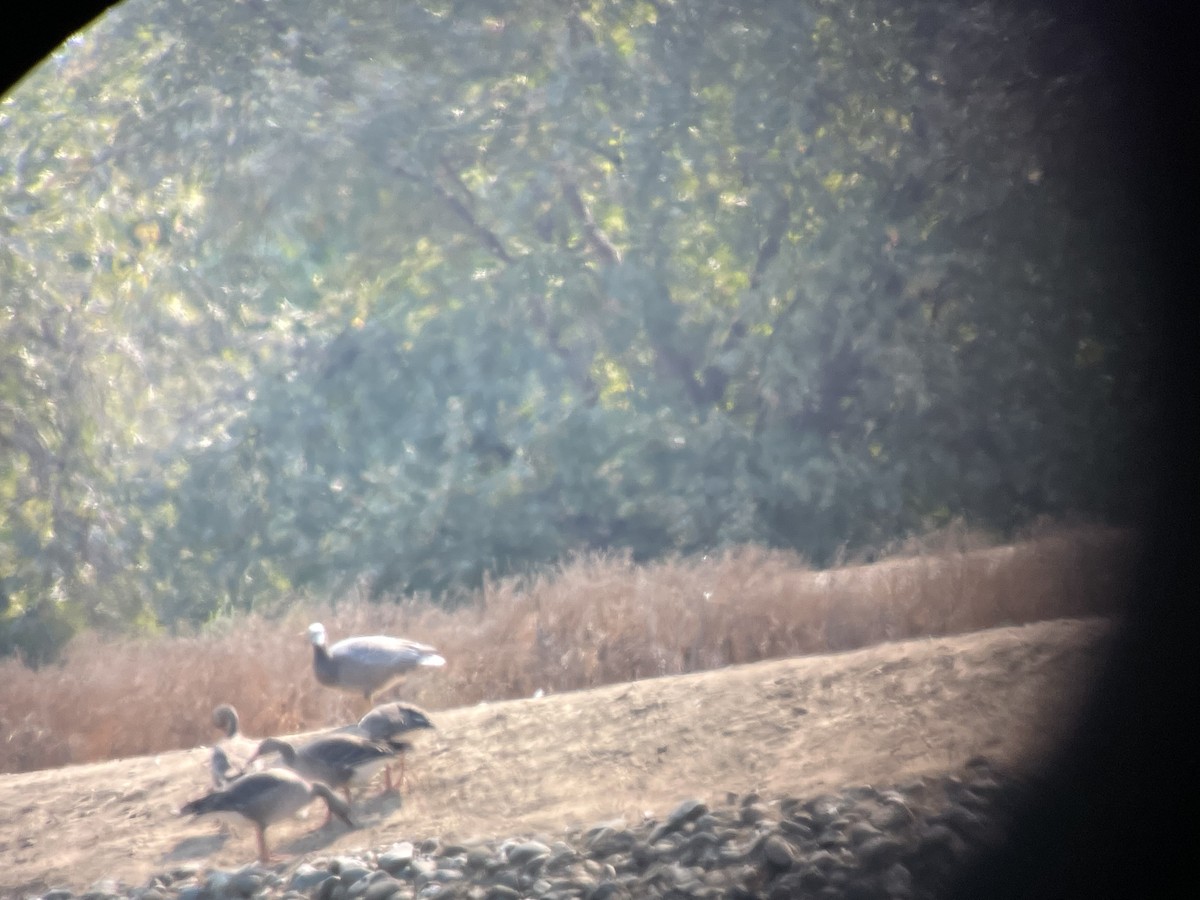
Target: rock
{"type": "Point", "coordinates": [891, 816]}
{"type": "Point", "coordinates": [642, 853]}
{"type": "Point", "coordinates": [812, 878]}
{"type": "Point", "coordinates": [520, 854]}
{"type": "Point", "coordinates": [797, 829]}
{"type": "Point", "coordinates": [306, 877]}
{"type": "Point", "coordinates": [687, 811]}
{"type": "Point", "coordinates": [246, 882]}
{"type": "Point", "coordinates": [700, 847]}
{"type": "Point", "coordinates": [860, 832]}
{"type": "Point", "coordinates": [384, 888]}
{"type": "Point", "coordinates": [778, 852]}
{"type": "Point", "coordinates": [609, 841]}
{"type": "Point", "coordinates": [898, 882]}
{"type": "Point", "coordinates": [944, 840]}
{"type": "Point", "coordinates": [349, 869]}
{"type": "Point", "coordinates": [862, 792]}
{"type": "Point", "coordinates": [682, 814]}
{"type": "Point", "coordinates": [479, 858]}
{"type": "Point", "coordinates": [864, 843]}
{"type": "Point", "coordinates": [397, 858]}
{"type": "Point", "coordinates": [608, 890]}
{"type": "Point", "coordinates": [331, 889]}
{"type": "Point", "coordinates": [102, 890]}
{"type": "Point", "coordinates": [752, 814]}
{"type": "Point", "coordinates": [964, 821]}
{"type": "Point", "coordinates": [823, 810]}
{"type": "Point", "coordinates": [823, 860]}
{"type": "Point", "coordinates": [880, 852]}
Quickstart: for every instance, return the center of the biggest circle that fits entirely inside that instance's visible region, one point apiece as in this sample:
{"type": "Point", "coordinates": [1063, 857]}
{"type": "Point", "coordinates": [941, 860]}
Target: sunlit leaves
{"type": "Point", "coordinates": [397, 295]}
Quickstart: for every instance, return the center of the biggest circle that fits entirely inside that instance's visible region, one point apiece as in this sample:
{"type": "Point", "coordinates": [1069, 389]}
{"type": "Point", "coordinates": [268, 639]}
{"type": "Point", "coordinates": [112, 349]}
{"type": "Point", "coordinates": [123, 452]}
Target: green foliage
{"type": "Point", "coordinates": [399, 296]}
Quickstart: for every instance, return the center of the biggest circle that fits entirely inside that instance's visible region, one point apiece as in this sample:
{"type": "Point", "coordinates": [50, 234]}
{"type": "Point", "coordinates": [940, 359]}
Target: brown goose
{"type": "Point", "coordinates": [232, 754]}
{"type": "Point", "coordinates": [223, 771]}
{"type": "Point", "coordinates": [367, 665]}
{"type": "Point", "coordinates": [387, 722]}
{"type": "Point", "coordinates": [268, 797]}
{"type": "Point", "coordinates": [338, 760]}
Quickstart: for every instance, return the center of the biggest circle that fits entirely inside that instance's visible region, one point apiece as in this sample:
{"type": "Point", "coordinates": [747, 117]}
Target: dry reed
{"type": "Point", "coordinates": [592, 620]}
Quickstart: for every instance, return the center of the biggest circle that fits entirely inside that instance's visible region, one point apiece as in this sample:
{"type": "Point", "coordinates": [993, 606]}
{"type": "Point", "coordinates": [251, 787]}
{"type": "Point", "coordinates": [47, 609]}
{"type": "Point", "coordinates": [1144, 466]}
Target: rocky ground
{"type": "Point", "coordinates": [905, 841]}
{"type": "Point", "coordinates": [866, 774]}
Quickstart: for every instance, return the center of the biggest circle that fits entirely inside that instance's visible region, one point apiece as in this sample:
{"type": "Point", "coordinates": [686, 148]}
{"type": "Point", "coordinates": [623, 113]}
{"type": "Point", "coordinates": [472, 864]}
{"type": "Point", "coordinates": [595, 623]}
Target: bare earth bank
{"type": "Point", "coordinates": [793, 726]}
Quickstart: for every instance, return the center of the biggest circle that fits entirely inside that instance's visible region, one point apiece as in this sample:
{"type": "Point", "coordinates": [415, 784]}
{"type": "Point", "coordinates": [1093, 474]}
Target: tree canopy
{"type": "Point", "coordinates": [407, 295]}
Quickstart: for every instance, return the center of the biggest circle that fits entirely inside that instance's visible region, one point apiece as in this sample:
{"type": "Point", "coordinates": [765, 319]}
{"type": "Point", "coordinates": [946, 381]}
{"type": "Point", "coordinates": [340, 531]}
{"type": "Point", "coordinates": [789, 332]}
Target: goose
{"type": "Point", "coordinates": [223, 771]}
{"type": "Point", "coordinates": [338, 760]}
{"type": "Point", "coordinates": [367, 665]}
{"type": "Point", "coordinates": [268, 797]}
{"type": "Point", "coordinates": [231, 755]}
{"type": "Point", "coordinates": [387, 722]}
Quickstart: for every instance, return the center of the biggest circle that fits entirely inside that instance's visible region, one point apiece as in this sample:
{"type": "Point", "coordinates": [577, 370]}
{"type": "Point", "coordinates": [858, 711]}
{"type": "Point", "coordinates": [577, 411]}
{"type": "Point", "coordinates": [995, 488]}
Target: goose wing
{"type": "Point", "coordinates": [390, 719]}
{"type": "Point", "coordinates": [262, 797]}
{"type": "Point", "coordinates": [382, 651]}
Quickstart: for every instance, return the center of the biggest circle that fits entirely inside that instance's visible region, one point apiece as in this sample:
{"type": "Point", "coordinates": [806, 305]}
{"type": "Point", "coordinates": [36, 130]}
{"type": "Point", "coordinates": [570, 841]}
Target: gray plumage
{"type": "Point", "coordinates": [234, 751]}
{"type": "Point", "coordinates": [387, 722]}
{"type": "Point", "coordinates": [338, 760]}
{"type": "Point", "coordinates": [268, 797]}
{"type": "Point", "coordinates": [367, 665]}
{"type": "Point", "coordinates": [223, 771]}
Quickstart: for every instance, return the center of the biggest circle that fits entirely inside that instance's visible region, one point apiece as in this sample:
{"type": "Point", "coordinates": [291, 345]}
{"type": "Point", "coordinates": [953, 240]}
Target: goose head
{"type": "Point", "coordinates": [225, 717]}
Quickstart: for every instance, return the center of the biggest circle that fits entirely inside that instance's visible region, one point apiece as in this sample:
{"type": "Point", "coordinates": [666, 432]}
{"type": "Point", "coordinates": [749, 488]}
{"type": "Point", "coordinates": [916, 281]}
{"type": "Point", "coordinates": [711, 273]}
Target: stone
{"type": "Point", "coordinates": [898, 882]}
{"type": "Point", "coordinates": [520, 854]}
{"type": "Point", "coordinates": [880, 852]}
{"type": "Point", "coordinates": [796, 829]}
{"type": "Point", "coordinates": [859, 832]}
{"type": "Point", "coordinates": [752, 814]}
{"type": "Point", "coordinates": [394, 865]}
{"type": "Point", "coordinates": [609, 841]}
{"type": "Point", "coordinates": [607, 890]}
{"type": "Point", "coordinates": [891, 816]}
{"type": "Point", "coordinates": [778, 852]}
{"type": "Point", "coordinates": [384, 888]}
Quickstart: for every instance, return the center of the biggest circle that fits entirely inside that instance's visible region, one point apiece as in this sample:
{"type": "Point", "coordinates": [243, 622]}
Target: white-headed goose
{"type": "Point", "coordinates": [366, 665]}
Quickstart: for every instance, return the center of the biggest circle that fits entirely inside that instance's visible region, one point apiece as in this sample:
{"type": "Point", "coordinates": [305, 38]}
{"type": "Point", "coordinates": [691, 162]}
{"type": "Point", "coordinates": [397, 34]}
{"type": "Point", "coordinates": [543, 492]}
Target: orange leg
{"type": "Point", "coordinates": [390, 785]}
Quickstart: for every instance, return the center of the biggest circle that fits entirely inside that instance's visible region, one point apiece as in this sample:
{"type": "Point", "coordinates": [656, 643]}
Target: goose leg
{"type": "Point", "coordinates": [264, 856]}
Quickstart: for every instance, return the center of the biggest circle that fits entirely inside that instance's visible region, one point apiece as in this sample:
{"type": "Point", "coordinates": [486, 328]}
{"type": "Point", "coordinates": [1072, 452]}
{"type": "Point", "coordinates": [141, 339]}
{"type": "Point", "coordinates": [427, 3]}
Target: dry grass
{"type": "Point", "coordinates": [594, 620]}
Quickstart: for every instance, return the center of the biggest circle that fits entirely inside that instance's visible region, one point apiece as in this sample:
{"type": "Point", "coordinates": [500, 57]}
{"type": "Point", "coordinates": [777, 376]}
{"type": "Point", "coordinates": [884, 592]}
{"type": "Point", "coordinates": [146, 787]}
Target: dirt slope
{"type": "Point", "coordinates": [793, 726]}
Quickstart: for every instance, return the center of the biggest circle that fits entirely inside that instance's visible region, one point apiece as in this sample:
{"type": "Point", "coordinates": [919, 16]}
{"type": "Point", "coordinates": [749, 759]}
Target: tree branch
{"type": "Point", "coordinates": [596, 238]}
{"type": "Point", "coordinates": [486, 236]}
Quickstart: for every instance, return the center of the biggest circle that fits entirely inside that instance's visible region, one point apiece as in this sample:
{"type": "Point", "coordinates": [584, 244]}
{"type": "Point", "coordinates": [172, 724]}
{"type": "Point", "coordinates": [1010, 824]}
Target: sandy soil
{"type": "Point", "coordinates": [785, 727]}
